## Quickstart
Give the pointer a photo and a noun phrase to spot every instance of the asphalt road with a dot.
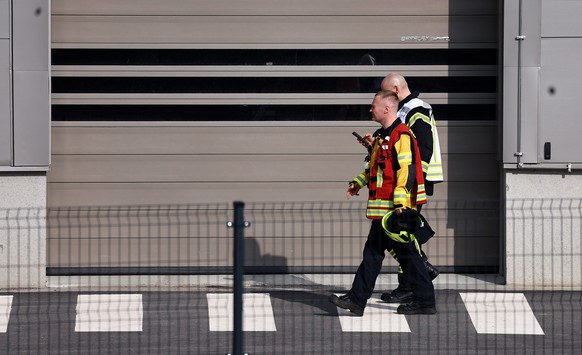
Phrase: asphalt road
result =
(286, 322)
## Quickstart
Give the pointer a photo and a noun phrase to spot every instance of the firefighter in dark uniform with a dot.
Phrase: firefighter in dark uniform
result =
(395, 182)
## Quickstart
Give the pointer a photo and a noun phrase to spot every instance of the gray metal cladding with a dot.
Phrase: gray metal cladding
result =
(181, 102)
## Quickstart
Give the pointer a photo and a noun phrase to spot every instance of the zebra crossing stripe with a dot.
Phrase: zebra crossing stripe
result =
(501, 313)
(490, 313)
(109, 313)
(5, 308)
(257, 312)
(378, 317)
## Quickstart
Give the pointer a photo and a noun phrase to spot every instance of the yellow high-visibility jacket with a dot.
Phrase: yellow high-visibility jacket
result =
(415, 112)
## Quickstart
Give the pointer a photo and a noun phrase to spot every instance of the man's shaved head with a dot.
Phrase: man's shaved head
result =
(396, 83)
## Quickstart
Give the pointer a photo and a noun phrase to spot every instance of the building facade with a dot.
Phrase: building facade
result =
(182, 102)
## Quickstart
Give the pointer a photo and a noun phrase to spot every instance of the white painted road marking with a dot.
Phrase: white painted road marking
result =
(501, 313)
(490, 313)
(257, 312)
(5, 308)
(109, 313)
(378, 317)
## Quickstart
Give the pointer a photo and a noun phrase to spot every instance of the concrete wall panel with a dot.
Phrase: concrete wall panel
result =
(31, 118)
(543, 224)
(559, 92)
(30, 36)
(561, 18)
(5, 104)
(4, 19)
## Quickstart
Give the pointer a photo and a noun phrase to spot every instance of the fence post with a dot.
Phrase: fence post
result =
(238, 268)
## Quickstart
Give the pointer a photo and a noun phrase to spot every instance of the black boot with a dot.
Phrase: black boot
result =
(345, 302)
(399, 295)
(415, 308)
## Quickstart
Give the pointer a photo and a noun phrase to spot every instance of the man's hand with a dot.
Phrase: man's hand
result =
(399, 211)
(353, 190)
(367, 140)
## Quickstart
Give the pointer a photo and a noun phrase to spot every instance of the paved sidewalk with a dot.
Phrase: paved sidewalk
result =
(487, 282)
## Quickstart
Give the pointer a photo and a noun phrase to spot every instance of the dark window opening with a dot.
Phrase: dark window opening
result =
(449, 84)
(264, 85)
(434, 56)
(452, 112)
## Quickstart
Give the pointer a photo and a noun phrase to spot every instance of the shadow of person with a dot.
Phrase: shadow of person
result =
(303, 302)
(257, 263)
(267, 272)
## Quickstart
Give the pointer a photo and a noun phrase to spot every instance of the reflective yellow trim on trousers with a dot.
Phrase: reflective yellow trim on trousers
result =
(417, 246)
(393, 253)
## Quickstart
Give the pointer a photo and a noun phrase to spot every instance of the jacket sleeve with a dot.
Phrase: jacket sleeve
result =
(362, 179)
(405, 173)
(423, 132)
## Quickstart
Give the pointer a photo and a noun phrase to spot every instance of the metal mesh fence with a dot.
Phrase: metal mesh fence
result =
(159, 279)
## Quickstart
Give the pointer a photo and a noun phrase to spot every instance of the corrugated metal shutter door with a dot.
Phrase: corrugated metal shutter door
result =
(168, 104)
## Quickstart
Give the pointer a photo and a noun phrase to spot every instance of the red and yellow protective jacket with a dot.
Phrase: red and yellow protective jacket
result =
(394, 172)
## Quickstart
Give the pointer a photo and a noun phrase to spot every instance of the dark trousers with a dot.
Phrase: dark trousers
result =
(371, 265)
(412, 264)
(373, 256)
(403, 281)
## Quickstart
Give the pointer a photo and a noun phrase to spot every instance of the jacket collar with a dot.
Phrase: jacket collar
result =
(413, 95)
(383, 133)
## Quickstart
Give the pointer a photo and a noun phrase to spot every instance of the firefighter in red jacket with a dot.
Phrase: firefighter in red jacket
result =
(395, 182)
(418, 116)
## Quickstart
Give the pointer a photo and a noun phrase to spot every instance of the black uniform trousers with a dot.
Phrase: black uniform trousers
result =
(373, 256)
(403, 279)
